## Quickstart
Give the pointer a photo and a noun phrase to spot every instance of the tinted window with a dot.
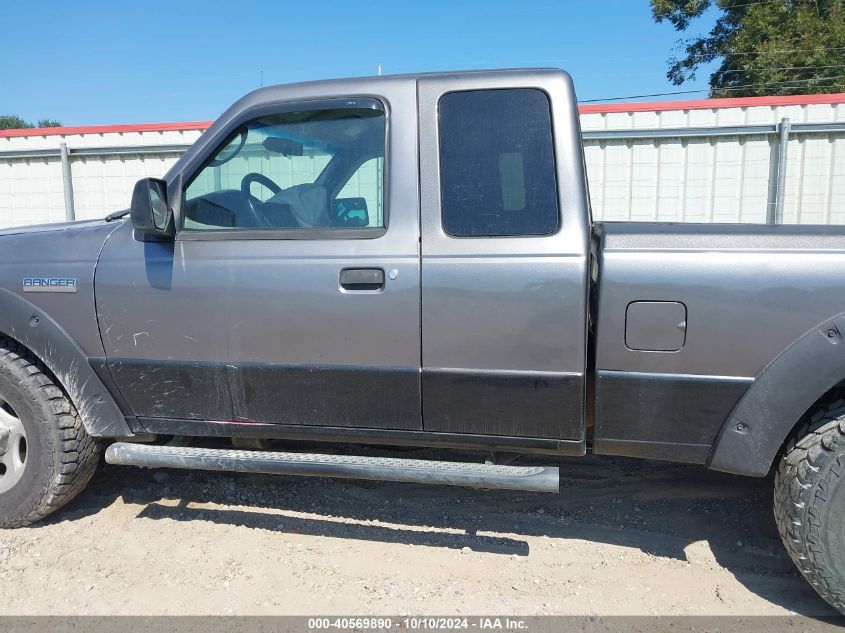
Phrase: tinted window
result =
(315, 169)
(497, 169)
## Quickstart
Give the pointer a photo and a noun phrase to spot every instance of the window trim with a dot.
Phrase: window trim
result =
(198, 235)
(558, 227)
(270, 109)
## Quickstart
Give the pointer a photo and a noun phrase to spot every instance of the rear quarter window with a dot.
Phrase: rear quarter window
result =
(497, 167)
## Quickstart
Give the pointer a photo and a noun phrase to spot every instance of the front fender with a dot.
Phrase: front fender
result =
(44, 337)
(782, 392)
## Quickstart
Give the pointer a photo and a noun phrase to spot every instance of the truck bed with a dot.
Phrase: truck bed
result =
(745, 292)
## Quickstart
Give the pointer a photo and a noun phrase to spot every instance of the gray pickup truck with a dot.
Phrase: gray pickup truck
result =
(411, 261)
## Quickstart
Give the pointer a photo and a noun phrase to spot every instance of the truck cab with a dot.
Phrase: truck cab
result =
(396, 255)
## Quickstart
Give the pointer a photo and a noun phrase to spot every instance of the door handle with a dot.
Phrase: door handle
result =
(357, 279)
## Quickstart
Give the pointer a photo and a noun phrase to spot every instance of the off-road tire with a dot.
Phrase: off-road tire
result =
(810, 502)
(60, 456)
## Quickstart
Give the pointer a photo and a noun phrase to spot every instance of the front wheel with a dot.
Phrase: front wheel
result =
(810, 503)
(46, 457)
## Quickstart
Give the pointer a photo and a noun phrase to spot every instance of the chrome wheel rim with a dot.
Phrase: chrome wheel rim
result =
(13, 447)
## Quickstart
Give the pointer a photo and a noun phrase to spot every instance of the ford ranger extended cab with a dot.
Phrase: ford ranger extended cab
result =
(411, 261)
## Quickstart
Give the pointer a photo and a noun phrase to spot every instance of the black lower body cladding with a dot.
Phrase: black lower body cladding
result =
(518, 404)
(662, 416)
(324, 395)
(509, 404)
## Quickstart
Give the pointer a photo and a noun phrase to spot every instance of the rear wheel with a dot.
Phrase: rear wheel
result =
(810, 503)
(46, 457)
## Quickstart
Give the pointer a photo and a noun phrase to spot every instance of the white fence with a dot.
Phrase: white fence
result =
(719, 160)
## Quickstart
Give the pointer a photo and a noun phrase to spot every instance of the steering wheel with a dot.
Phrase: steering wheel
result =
(252, 201)
(261, 179)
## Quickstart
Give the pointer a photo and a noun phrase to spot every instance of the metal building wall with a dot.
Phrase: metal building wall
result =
(717, 178)
(31, 182)
(695, 161)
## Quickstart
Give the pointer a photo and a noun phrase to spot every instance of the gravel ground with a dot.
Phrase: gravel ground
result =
(622, 537)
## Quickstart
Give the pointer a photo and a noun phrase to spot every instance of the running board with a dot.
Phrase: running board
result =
(528, 478)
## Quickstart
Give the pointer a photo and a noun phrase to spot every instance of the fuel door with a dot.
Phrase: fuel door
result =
(656, 326)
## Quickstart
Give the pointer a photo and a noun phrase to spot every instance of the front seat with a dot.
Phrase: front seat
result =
(308, 203)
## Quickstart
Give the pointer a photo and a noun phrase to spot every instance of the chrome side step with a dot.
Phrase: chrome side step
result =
(529, 478)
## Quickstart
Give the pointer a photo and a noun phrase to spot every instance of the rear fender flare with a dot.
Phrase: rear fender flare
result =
(781, 393)
(53, 346)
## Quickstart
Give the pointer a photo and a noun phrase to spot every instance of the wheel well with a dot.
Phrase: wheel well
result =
(37, 360)
(776, 403)
(66, 364)
(837, 392)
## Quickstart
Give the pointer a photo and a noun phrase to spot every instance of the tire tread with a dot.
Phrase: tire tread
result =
(77, 453)
(812, 463)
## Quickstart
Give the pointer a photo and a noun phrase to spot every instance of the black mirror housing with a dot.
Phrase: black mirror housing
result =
(150, 211)
(283, 146)
(350, 212)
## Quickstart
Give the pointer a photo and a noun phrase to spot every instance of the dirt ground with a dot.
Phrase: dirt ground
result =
(622, 537)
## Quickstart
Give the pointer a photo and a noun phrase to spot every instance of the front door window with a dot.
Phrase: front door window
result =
(311, 169)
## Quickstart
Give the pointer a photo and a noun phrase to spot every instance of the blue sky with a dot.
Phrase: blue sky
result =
(107, 61)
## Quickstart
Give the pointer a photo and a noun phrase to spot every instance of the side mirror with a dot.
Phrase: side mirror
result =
(350, 212)
(150, 212)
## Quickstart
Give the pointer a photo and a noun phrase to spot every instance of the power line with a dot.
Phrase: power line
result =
(751, 3)
(731, 88)
(792, 81)
(563, 60)
(773, 51)
(653, 94)
(773, 68)
(684, 92)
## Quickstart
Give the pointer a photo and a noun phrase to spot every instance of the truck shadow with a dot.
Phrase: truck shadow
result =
(679, 512)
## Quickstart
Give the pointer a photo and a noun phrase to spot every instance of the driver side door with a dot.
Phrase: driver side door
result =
(270, 308)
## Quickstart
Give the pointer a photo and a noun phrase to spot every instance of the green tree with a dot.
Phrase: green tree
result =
(763, 47)
(13, 122)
